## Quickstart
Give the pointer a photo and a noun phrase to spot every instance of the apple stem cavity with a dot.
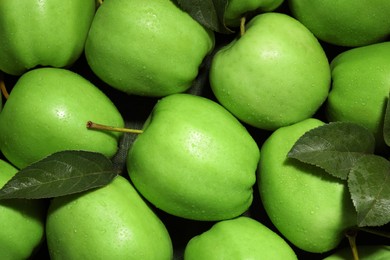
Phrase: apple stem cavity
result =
(242, 25)
(351, 235)
(92, 125)
(3, 88)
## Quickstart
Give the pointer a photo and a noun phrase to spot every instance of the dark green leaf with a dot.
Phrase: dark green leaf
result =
(369, 185)
(334, 147)
(60, 174)
(386, 127)
(209, 13)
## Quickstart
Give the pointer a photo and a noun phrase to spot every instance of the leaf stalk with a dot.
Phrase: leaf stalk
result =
(92, 125)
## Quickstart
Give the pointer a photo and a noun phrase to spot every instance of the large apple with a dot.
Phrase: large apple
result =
(42, 33)
(346, 23)
(361, 87)
(194, 159)
(149, 48)
(22, 221)
(238, 238)
(112, 222)
(47, 111)
(309, 207)
(275, 74)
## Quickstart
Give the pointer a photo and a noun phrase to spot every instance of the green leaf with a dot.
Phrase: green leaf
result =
(60, 174)
(209, 13)
(386, 125)
(369, 185)
(334, 147)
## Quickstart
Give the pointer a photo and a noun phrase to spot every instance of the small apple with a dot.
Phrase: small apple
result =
(365, 252)
(360, 87)
(274, 75)
(194, 159)
(148, 48)
(345, 23)
(47, 111)
(236, 9)
(22, 221)
(112, 222)
(42, 33)
(309, 207)
(238, 238)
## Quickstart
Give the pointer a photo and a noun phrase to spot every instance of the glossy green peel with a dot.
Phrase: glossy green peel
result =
(309, 207)
(194, 159)
(274, 75)
(148, 48)
(22, 222)
(238, 238)
(346, 23)
(112, 222)
(47, 111)
(42, 33)
(361, 87)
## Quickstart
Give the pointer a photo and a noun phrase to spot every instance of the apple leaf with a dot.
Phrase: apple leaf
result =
(209, 13)
(60, 174)
(369, 185)
(386, 124)
(334, 147)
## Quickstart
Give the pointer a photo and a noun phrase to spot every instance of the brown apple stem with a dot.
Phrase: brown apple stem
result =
(3, 88)
(242, 25)
(351, 235)
(92, 125)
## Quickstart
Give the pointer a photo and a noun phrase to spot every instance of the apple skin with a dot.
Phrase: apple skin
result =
(274, 75)
(147, 48)
(360, 87)
(366, 252)
(236, 9)
(309, 207)
(238, 238)
(47, 111)
(348, 23)
(42, 33)
(112, 222)
(194, 159)
(22, 222)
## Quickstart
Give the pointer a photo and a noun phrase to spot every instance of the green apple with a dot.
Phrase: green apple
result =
(238, 238)
(361, 87)
(345, 23)
(47, 111)
(236, 9)
(148, 48)
(309, 207)
(365, 252)
(194, 159)
(42, 33)
(274, 75)
(22, 222)
(112, 222)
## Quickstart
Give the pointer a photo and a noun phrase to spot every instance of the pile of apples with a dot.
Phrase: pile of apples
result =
(197, 122)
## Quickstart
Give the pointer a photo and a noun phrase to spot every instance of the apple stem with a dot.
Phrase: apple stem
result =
(351, 235)
(3, 88)
(242, 25)
(92, 125)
